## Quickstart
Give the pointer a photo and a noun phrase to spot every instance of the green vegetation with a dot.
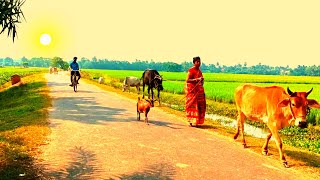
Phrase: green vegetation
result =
(6, 73)
(23, 126)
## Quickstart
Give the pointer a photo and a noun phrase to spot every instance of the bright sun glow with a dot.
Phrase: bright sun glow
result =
(45, 39)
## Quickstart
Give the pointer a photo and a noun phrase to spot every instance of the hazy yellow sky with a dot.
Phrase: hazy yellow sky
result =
(272, 32)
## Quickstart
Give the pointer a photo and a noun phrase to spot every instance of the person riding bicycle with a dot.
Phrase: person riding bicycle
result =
(74, 66)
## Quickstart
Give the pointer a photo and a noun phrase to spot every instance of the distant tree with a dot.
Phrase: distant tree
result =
(23, 59)
(10, 16)
(171, 67)
(57, 62)
(8, 61)
(25, 64)
(65, 65)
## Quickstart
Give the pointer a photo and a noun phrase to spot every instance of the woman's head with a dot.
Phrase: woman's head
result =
(197, 61)
(75, 59)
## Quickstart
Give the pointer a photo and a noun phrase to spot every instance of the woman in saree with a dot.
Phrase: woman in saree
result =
(195, 96)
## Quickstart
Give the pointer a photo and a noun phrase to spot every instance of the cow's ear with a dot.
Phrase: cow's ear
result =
(313, 103)
(284, 103)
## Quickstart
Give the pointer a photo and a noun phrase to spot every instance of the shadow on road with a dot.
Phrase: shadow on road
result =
(80, 167)
(156, 171)
(301, 156)
(87, 110)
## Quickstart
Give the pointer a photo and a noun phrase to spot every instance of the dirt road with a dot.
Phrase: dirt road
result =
(95, 135)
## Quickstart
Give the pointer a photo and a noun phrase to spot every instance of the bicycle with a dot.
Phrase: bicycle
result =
(74, 81)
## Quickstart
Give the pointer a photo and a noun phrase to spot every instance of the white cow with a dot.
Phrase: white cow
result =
(101, 80)
(131, 81)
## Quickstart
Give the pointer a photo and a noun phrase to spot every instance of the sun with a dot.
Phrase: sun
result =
(45, 39)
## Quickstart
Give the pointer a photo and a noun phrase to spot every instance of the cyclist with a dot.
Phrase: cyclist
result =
(74, 66)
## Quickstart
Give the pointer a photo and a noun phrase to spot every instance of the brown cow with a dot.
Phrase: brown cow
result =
(273, 106)
(15, 79)
(55, 70)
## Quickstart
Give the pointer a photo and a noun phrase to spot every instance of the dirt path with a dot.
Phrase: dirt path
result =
(95, 135)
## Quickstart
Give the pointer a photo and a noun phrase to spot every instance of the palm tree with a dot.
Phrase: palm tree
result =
(10, 16)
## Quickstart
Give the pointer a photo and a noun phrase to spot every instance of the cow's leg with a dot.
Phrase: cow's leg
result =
(143, 91)
(159, 96)
(138, 114)
(242, 133)
(240, 124)
(146, 120)
(265, 146)
(149, 92)
(276, 136)
(138, 89)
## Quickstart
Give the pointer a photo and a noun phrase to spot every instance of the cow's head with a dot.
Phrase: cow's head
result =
(151, 102)
(299, 106)
(124, 87)
(158, 82)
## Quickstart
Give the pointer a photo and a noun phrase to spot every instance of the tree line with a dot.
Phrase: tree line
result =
(95, 63)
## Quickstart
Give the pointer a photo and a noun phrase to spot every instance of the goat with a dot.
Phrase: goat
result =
(144, 106)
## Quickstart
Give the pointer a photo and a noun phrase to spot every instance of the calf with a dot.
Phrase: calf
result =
(144, 106)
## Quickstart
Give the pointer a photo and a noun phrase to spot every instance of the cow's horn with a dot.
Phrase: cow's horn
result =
(309, 91)
(289, 91)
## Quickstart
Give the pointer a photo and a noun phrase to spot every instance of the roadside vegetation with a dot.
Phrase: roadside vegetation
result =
(302, 145)
(6, 73)
(23, 123)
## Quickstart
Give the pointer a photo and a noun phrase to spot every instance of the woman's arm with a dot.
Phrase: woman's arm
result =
(190, 79)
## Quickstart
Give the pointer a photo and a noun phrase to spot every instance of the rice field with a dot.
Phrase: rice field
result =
(6, 73)
(220, 87)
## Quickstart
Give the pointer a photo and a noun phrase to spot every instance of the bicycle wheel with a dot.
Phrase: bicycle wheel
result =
(75, 84)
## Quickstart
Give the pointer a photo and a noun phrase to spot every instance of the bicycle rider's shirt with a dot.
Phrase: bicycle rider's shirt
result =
(74, 66)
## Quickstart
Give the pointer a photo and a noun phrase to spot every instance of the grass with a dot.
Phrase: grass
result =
(300, 159)
(23, 126)
(6, 73)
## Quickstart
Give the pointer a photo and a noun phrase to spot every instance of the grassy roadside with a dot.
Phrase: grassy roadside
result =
(301, 160)
(23, 126)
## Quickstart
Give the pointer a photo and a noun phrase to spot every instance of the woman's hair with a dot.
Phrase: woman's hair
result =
(196, 59)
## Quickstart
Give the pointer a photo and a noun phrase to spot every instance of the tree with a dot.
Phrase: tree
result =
(57, 62)
(8, 61)
(10, 16)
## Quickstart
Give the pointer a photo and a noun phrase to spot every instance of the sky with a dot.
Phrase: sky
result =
(273, 32)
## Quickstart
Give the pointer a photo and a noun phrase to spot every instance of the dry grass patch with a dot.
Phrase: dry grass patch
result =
(23, 126)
